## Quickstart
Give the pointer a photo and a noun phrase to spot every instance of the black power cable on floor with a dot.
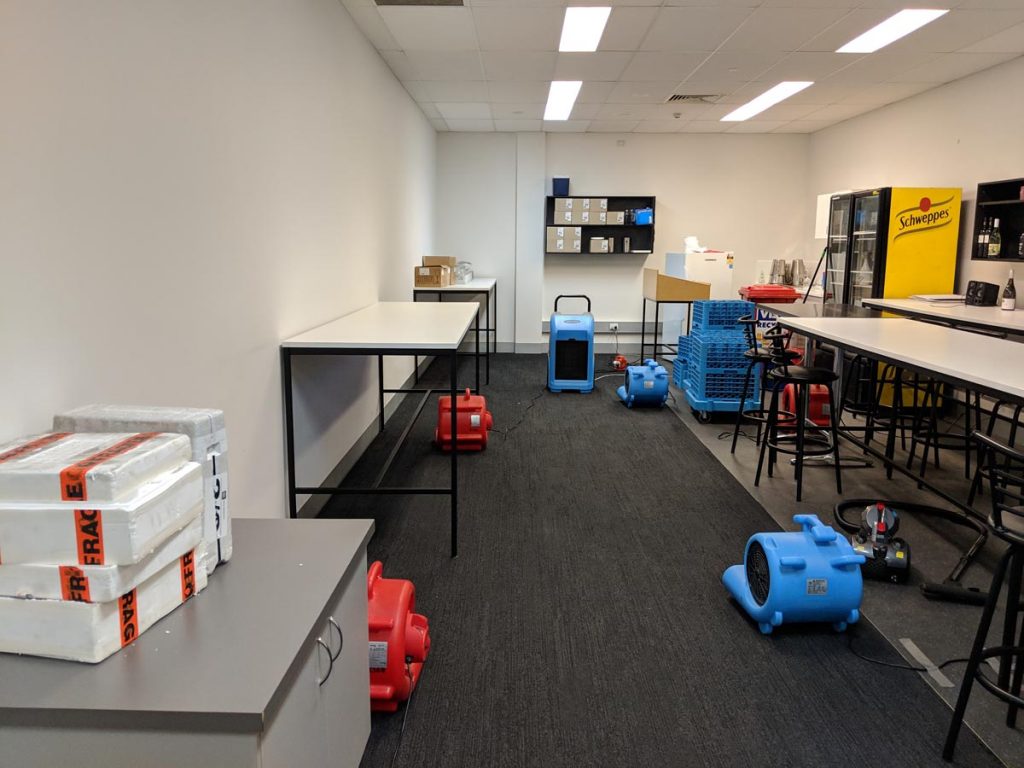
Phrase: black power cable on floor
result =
(532, 402)
(894, 665)
(405, 716)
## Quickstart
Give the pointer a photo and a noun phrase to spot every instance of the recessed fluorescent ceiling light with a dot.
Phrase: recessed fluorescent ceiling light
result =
(561, 97)
(892, 29)
(582, 28)
(769, 98)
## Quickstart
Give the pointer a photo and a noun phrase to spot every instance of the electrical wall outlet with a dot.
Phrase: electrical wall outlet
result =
(613, 327)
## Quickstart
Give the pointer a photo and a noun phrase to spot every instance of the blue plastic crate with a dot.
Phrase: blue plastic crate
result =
(722, 349)
(713, 405)
(722, 384)
(719, 314)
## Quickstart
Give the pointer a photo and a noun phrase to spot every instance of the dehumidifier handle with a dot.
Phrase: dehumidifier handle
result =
(561, 296)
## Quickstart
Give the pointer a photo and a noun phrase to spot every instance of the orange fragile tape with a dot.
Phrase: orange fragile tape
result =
(89, 536)
(129, 610)
(188, 575)
(32, 446)
(72, 479)
(74, 584)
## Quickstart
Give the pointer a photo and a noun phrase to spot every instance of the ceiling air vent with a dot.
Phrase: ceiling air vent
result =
(419, 2)
(693, 98)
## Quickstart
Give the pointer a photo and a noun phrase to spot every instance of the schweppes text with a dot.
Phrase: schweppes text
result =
(927, 215)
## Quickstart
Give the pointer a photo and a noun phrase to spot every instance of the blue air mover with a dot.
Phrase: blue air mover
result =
(812, 575)
(645, 384)
(571, 350)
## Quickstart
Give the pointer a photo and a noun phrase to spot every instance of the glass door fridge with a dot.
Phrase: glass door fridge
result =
(867, 245)
(838, 241)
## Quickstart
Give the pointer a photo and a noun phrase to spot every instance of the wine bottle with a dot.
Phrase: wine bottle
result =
(986, 228)
(979, 245)
(1020, 246)
(1009, 295)
(995, 241)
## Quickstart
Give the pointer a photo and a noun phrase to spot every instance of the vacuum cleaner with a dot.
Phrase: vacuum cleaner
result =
(571, 349)
(810, 575)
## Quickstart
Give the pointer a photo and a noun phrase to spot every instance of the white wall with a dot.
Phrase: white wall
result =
(740, 193)
(185, 184)
(957, 135)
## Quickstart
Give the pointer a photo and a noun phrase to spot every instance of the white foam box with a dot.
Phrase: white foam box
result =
(98, 583)
(86, 468)
(204, 427)
(93, 631)
(106, 533)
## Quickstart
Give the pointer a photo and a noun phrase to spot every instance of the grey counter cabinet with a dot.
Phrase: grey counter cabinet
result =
(266, 668)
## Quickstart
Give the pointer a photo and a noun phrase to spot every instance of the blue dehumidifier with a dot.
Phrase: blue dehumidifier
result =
(571, 350)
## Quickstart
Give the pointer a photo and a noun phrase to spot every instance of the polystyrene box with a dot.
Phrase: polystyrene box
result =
(92, 631)
(107, 533)
(86, 467)
(97, 583)
(204, 427)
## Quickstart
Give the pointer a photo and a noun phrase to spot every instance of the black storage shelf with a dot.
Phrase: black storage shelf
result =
(1002, 200)
(641, 236)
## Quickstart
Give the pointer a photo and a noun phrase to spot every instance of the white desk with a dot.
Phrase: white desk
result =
(995, 366)
(386, 328)
(478, 286)
(984, 318)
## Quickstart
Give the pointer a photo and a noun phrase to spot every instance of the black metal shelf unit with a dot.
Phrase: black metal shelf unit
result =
(641, 236)
(1003, 200)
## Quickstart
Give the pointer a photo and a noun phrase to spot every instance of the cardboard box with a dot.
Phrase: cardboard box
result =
(599, 203)
(565, 204)
(564, 232)
(575, 245)
(599, 245)
(440, 261)
(581, 217)
(584, 203)
(616, 217)
(561, 239)
(562, 218)
(598, 217)
(661, 287)
(432, 277)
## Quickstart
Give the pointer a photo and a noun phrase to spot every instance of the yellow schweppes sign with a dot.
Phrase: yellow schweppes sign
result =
(927, 214)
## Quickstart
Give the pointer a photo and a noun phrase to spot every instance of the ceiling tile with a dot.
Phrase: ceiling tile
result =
(467, 110)
(423, 28)
(447, 90)
(372, 25)
(1008, 41)
(804, 126)
(517, 111)
(519, 66)
(627, 92)
(662, 65)
(591, 66)
(626, 28)
(629, 112)
(399, 64)
(566, 126)
(736, 67)
(838, 112)
(786, 111)
(519, 93)
(855, 23)
(518, 28)
(430, 109)
(593, 93)
(612, 126)
(693, 29)
(951, 66)
(807, 65)
(880, 67)
(439, 124)
(827, 92)
(704, 126)
(444, 65)
(659, 126)
(470, 125)
(756, 126)
(518, 125)
(585, 111)
(958, 29)
(885, 93)
(781, 29)
(416, 89)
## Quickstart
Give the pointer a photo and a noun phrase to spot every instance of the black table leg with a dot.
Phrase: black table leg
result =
(476, 354)
(657, 330)
(487, 339)
(289, 428)
(643, 330)
(452, 374)
(380, 391)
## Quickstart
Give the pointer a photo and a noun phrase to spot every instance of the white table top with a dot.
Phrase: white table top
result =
(992, 318)
(393, 325)
(983, 362)
(476, 285)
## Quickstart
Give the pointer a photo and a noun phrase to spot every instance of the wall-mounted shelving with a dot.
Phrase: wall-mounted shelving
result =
(641, 236)
(1002, 200)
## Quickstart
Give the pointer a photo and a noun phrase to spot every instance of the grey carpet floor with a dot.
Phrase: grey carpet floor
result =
(584, 622)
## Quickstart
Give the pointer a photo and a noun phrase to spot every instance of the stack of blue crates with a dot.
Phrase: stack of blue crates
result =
(715, 365)
(679, 364)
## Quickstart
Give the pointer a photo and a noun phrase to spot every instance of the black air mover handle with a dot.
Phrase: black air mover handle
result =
(561, 296)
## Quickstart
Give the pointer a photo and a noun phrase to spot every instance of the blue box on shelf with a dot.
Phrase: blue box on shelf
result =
(560, 186)
(643, 216)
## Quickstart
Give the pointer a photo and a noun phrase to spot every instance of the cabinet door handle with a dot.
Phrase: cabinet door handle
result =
(330, 669)
(341, 638)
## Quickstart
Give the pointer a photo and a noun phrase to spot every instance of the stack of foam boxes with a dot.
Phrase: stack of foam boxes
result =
(100, 537)
(206, 431)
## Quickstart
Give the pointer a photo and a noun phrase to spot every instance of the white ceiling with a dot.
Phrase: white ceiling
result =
(486, 66)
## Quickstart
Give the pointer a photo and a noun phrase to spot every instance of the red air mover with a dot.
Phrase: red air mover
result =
(399, 639)
(817, 406)
(474, 422)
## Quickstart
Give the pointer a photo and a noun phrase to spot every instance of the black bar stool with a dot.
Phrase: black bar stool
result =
(979, 472)
(802, 378)
(1004, 467)
(756, 356)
